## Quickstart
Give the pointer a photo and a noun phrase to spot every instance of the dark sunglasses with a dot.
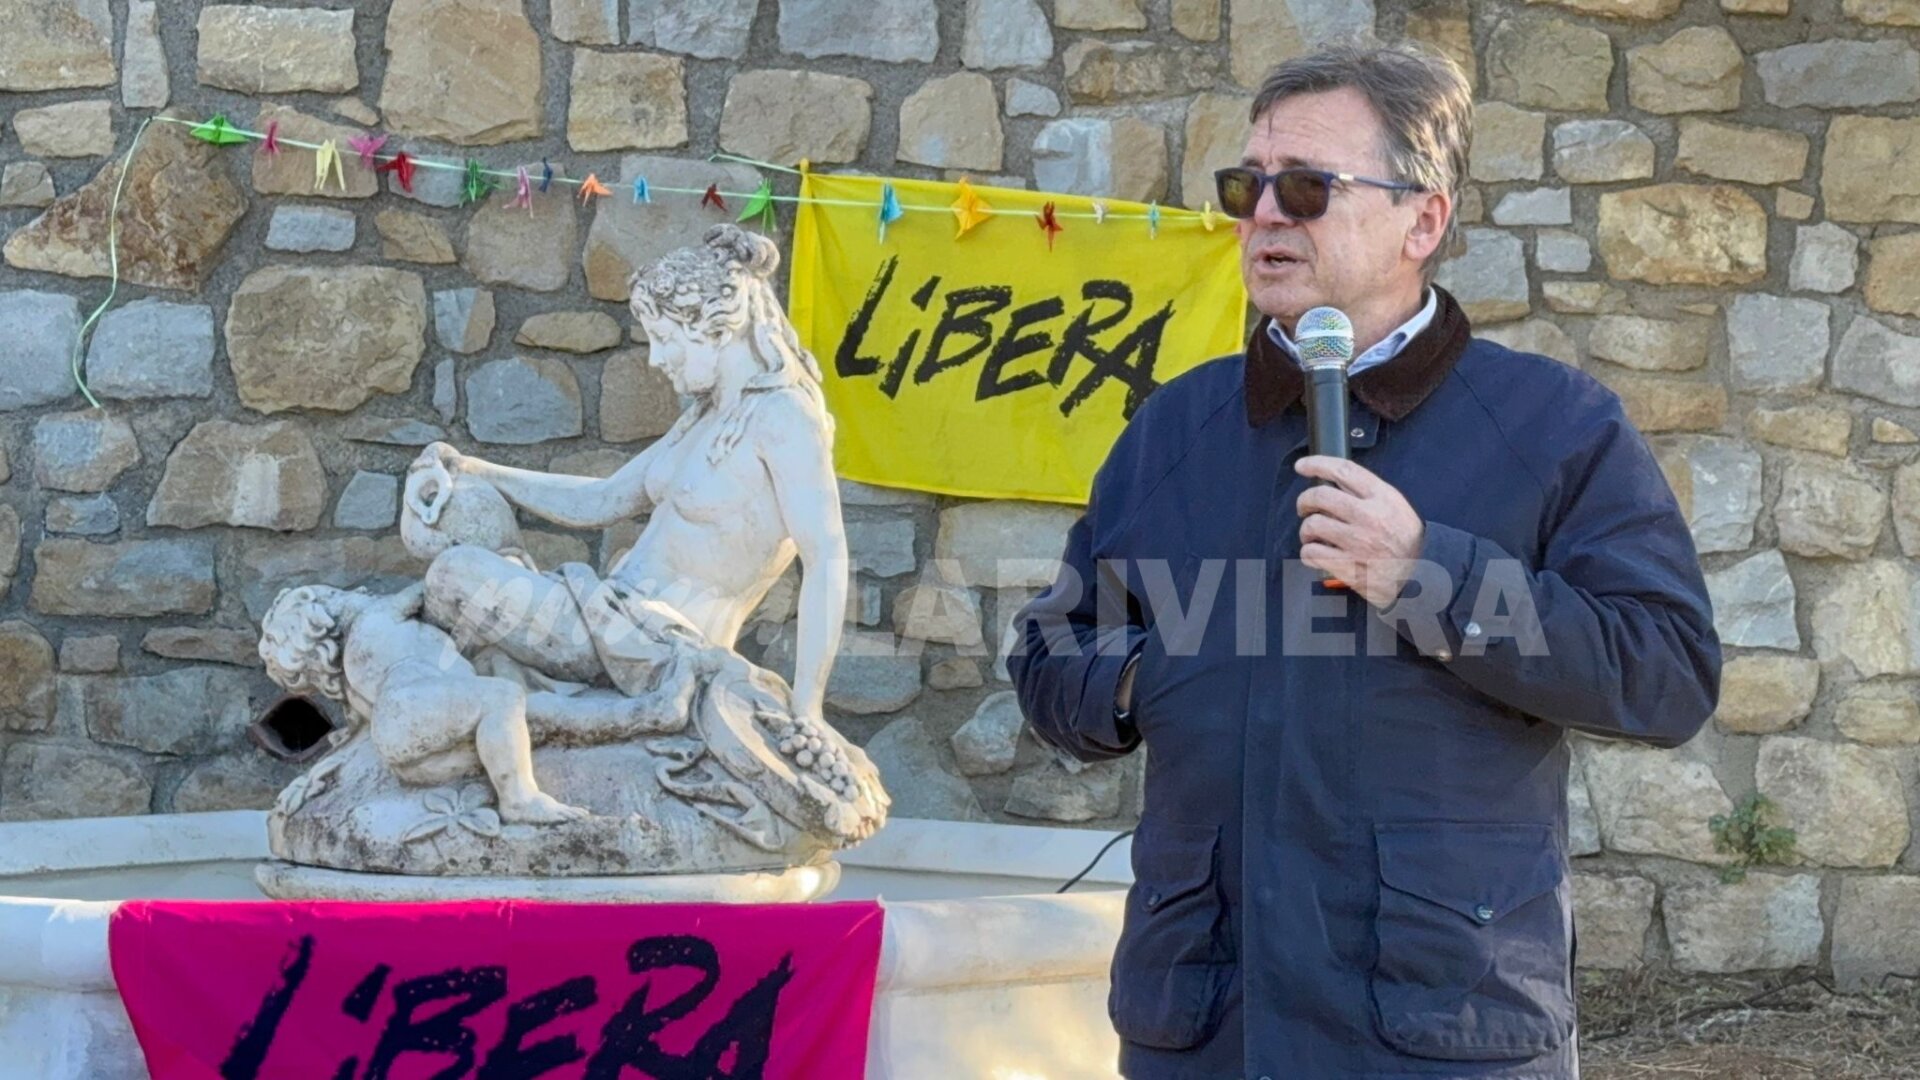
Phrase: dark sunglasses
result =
(1302, 194)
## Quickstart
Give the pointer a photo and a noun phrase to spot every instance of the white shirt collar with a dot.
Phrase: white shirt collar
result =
(1387, 348)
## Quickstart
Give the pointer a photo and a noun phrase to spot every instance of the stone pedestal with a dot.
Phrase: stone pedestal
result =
(287, 881)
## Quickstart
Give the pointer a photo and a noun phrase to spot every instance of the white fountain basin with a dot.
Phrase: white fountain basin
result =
(984, 971)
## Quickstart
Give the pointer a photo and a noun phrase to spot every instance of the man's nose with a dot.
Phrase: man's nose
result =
(1267, 212)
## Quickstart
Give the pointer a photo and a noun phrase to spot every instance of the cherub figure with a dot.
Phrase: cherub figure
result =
(434, 718)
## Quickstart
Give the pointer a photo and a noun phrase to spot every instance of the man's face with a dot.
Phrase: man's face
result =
(1354, 255)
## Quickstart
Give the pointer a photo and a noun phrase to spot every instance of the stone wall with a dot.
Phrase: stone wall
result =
(1705, 205)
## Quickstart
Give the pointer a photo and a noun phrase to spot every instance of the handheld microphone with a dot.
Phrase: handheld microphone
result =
(1324, 337)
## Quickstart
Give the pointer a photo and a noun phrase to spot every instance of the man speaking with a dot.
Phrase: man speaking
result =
(1355, 677)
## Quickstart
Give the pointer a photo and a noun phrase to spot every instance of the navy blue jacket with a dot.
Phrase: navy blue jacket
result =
(1352, 860)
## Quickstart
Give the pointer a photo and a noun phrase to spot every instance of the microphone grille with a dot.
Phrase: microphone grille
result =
(1324, 337)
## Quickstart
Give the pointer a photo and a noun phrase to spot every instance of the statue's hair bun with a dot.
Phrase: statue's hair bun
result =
(753, 253)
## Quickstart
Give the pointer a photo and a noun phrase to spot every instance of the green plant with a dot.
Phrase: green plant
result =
(1750, 835)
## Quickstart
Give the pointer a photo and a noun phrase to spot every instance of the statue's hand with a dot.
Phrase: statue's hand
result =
(440, 455)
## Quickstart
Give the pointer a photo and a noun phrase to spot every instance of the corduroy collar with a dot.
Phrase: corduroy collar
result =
(1392, 389)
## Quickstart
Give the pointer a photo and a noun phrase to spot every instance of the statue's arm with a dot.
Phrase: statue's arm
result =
(576, 502)
(798, 451)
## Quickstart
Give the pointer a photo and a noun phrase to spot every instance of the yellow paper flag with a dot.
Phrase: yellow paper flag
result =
(325, 159)
(988, 367)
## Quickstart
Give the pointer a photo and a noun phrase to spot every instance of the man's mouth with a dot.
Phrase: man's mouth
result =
(1276, 259)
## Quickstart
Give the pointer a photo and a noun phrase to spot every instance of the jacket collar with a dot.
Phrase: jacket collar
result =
(1392, 389)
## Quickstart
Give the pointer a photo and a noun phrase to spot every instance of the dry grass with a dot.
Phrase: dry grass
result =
(1651, 1025)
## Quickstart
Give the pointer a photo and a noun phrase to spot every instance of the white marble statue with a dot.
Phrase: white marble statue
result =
(509, 721)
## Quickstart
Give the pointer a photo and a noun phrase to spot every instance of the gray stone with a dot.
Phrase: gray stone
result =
(1839, 74)
(264, 476)
(1717, 483)
(1099, 15)
(370, 501)
(1683, 234)
(444, 188)
(291, 170)
(390, 431)
(182, 712)
(935, 612)
(1698, 69)
(1865, 617)
(1031, 99)
(1601, 152)
(1863, 167)
(637, 400)
(82, 451)
(524, 400)
(1540, 206)
(39, 328)
(1766, 694)
(1906, 491)
(1651, 344)
(1549, 64)
(1216, 130)
(1777, 343)
(525, 249)
(1845, 803)
(1753, 603)
(955, 673)
(143, 83)
(874, 673)
(1002, 544)
(379, 564)
(920, 785)
(1829, 509)
(431, 89)
(1751, 155)
(260, 50)
(1876, 931)
(1490, 279)
(1265, 32)
(1653, 802)
(1562, 252)
(1614, 914)
(855, 493)
(239, 648)
(1108, 72)
(892, 30)
(952, 122)
(1765, 922)
(1053, 793)
(1583, 828)
(463, 319)
(175, 211)
(881, 548)
(788, 116)
(988, 742)
(626, 101)
(9, 548)
(1879, 362)
(625, 236)
(1537, 336)
(310, 229)
(570, 331)
(406, 236)
(586, 22)
(56, 44)
(1826, 258)
(1120, 159)
(446, 389)
(152, 349)
(70, 129)
(26, 183)
(311, 337)
(709, 29)
(90, 655)
(246, 780)
(132, 579)
(1879, 715)
(1005, 34)
(41, 781)
(26, 678)
(91, 515)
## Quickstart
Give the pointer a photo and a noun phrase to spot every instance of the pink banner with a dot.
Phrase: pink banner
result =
(498, 990)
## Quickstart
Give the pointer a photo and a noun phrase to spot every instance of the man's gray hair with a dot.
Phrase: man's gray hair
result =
(1424, 104)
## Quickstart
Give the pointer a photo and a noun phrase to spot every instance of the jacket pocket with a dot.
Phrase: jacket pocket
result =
(1474, 960)
(1172, 965)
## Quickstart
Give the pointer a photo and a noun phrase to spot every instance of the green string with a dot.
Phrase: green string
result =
(113, 263)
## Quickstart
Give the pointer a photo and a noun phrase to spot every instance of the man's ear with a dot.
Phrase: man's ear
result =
(1433, 210)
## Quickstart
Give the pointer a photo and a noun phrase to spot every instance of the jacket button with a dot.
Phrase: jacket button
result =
(1153, 900)
(1483, 913)
(1473, 629)
(1443, 653)
(1358, 433)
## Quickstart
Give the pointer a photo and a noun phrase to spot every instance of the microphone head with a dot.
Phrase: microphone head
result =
(1324, 337)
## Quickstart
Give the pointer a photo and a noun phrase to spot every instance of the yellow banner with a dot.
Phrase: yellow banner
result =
(997, 364)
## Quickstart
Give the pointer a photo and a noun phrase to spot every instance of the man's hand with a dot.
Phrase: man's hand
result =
(1358, 528)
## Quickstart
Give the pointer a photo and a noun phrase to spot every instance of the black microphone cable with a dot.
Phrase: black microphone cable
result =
(1108, 846)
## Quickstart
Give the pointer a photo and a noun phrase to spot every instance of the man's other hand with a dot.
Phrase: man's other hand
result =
(1358, 528)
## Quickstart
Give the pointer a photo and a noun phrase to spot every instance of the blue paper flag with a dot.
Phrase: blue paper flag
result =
(546, 176)
(641, 193)
(1153, 221)
(890, 210)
